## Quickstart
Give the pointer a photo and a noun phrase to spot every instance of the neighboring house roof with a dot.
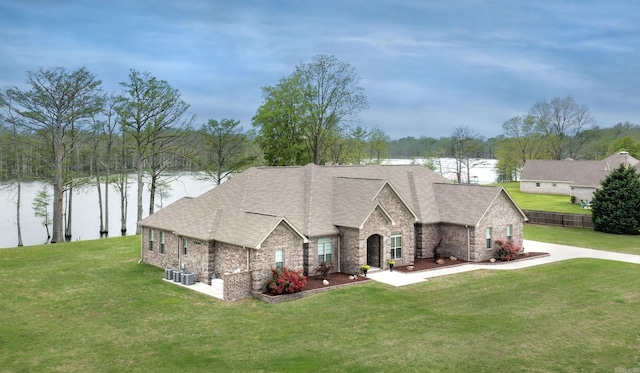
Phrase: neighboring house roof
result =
(576, 173)
(313, 201)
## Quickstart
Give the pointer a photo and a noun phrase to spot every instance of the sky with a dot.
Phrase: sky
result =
(425, 66)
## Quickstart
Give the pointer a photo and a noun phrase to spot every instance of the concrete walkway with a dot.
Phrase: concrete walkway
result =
(556, 253)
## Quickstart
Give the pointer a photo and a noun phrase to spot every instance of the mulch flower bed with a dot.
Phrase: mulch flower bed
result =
(337, 278)
(421, 264)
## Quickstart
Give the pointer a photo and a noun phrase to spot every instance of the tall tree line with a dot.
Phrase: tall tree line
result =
(65, 130)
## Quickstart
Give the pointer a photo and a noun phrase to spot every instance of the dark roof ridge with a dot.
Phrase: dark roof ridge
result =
(260, 213)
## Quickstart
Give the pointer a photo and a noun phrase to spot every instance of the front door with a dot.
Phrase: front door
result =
(374, 244)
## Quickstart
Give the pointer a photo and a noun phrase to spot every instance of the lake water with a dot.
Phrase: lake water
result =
(86, 214)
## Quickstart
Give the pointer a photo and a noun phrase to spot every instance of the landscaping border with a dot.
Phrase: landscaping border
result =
(273, 299)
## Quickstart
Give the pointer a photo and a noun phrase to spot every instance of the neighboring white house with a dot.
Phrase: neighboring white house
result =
(569, 177)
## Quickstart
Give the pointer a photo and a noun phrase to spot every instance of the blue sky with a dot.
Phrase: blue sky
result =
(426, 66)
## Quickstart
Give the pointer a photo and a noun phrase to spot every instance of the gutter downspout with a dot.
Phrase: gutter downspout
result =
(339, 245)
(468, 243)
(179, 243)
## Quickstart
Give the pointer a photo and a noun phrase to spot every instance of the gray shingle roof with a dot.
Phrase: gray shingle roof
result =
(314, 200)
(579, 173)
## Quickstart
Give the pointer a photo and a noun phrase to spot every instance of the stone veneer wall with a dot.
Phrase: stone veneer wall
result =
(263, 259)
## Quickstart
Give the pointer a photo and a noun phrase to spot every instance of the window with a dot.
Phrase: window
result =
(161, 242)
(150, 239)
(324, 250)
(509, 232)
(554, 185)
(184, 246)
(488, 234)
(537, 185)
(279, 259)
(396, 246)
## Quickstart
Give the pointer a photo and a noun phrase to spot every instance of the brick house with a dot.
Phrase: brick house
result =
(297, 217)
(569, 177)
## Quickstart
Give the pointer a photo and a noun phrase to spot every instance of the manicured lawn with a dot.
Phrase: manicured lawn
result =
(542, 202)
(89, 306)
(583, 238)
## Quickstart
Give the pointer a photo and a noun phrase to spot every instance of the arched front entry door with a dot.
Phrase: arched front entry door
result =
(374, 247)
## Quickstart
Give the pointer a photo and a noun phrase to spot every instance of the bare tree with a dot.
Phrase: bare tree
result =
(153, 114)
(227, 149)
(13, 122)
(332, 95)
(55, 108)
(562, 120)
(465, 144)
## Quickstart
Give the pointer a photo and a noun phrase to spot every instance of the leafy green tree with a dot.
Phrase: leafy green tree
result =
(616, 206)
(378, 145)
(628, 144)
(309, 109)
(279, 123)
(227, 147)
(57, 107)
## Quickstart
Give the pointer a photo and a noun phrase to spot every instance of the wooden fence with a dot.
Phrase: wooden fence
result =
(559, 219)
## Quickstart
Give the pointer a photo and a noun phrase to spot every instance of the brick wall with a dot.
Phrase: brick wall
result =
(351, 256)
(313, 254)
(500, 215)
(454, 241)
(263, 259)
(354, 241)
(427, 236)
(237, 285)
(196, 260)
(404, 225)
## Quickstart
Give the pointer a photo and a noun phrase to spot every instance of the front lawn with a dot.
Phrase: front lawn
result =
(89, 306)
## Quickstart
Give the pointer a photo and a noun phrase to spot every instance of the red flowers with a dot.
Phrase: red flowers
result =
(286, 281)
(507, 250)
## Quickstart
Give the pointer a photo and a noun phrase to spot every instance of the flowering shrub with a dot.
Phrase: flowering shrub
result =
(507, 250)
(324, 268)
(286, 281)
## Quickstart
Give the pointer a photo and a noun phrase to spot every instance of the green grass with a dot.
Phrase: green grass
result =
(582, 237)
(89, 306)
(542, 202)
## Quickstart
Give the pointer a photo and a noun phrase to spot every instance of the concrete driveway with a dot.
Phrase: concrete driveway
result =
(556, 253)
